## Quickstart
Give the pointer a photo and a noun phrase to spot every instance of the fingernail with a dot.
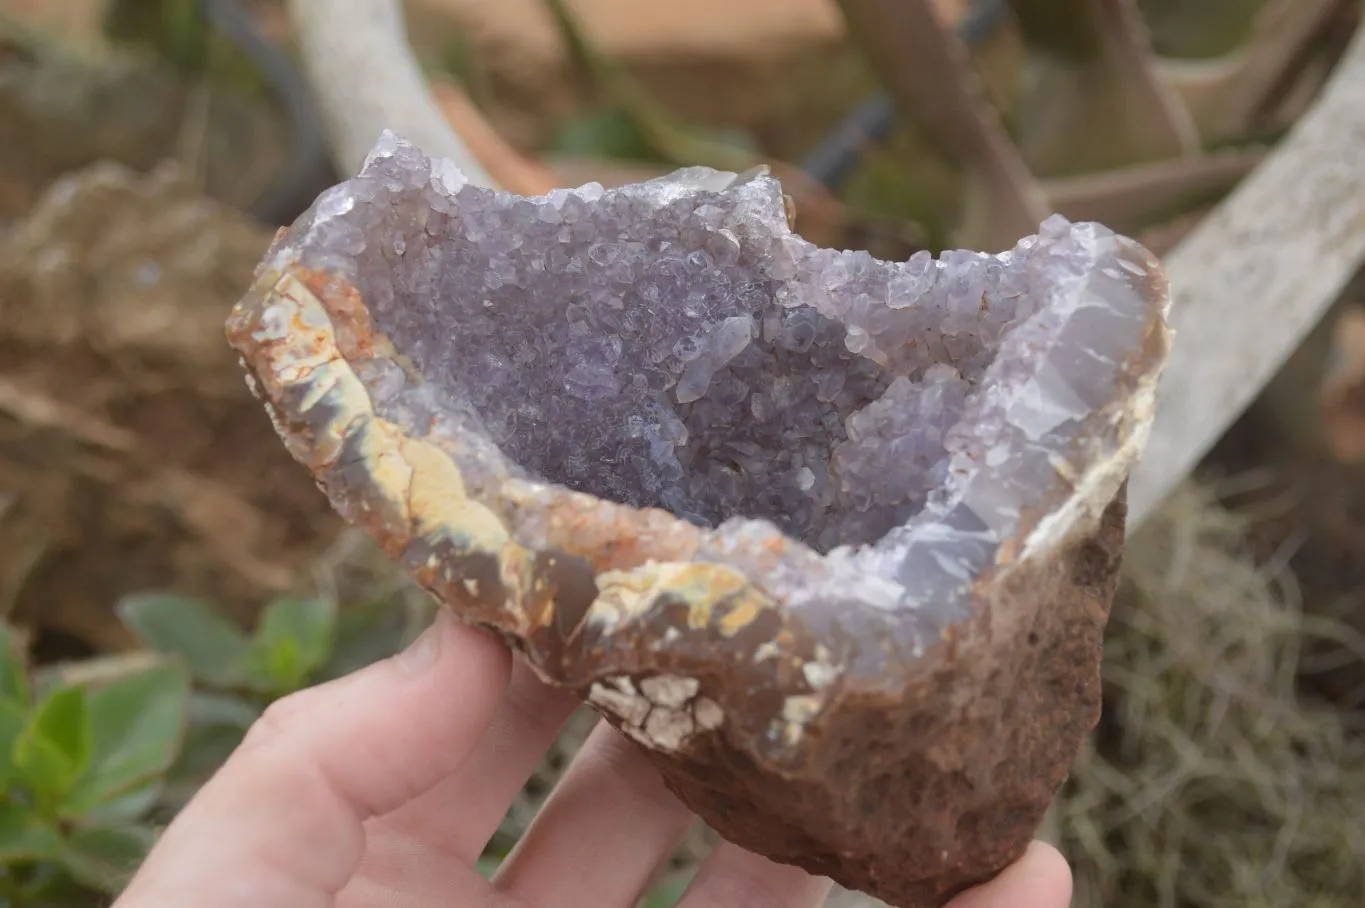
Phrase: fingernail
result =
(421, 653)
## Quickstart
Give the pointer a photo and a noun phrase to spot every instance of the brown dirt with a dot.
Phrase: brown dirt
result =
(131, 453)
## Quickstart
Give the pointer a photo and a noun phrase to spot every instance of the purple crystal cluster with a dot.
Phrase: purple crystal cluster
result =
(673, 344)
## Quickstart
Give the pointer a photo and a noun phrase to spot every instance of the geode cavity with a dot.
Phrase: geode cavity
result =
(833, 538)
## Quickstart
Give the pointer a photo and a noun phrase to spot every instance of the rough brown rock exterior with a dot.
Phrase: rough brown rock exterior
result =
(832, 538)
(915, 797)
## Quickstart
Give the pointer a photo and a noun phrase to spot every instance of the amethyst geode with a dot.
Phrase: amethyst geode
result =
(833, 538)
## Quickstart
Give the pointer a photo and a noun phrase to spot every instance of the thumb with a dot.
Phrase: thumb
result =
(1039, 879)
(282, 823)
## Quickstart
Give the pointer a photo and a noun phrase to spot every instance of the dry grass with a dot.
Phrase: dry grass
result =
(1213, 781)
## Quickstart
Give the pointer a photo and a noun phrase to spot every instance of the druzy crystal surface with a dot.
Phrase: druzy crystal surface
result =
(780, 511)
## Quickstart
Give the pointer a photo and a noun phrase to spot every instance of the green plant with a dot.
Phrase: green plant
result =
(292, 640)
(297, 642)
(667, 892)
(83, 756)
(180, 33)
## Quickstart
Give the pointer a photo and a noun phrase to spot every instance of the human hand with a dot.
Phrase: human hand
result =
(382, 788)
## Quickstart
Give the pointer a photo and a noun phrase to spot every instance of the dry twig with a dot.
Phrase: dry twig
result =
(1099, 99)
(1142, 193)
(1225, 96)
(506, 166)
(927, 70)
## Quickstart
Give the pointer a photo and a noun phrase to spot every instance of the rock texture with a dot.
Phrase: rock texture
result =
(833, 538)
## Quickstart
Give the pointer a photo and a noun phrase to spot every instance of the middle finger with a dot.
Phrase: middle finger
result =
(599, 838)
(455, 820)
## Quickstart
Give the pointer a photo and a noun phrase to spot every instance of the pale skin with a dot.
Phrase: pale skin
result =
(382, 788)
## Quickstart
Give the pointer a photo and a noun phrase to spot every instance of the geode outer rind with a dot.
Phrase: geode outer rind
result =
(791, 698)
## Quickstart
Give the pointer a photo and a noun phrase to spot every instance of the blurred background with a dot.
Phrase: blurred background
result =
(166, 569)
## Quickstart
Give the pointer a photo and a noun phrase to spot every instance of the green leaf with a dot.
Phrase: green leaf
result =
(128, 807)
(138, 725)
(668, 892)
(606, 132)
(13, 675)
(54, 748)
(45, 769)
(185, 626)
(229, 710)
(93, 671)
(49, 885)
(364, 635)
(106, 857)
(217, 725)
(293, 639)
(488, 865)
(24, 837)
(206, 750)
(13, 719)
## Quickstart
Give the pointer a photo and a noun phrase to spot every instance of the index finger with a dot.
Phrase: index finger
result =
(282, 823)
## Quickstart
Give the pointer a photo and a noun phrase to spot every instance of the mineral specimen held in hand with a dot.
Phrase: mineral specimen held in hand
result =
(833, 538)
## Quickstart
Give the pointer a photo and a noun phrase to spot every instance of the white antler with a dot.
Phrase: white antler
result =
(360, 64)
(1255, 276)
